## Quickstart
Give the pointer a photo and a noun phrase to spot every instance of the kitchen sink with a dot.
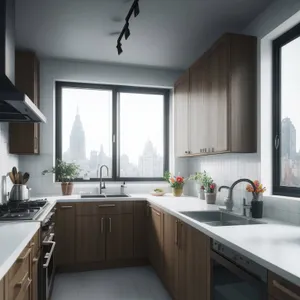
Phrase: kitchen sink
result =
(218, 218)
(105, 196)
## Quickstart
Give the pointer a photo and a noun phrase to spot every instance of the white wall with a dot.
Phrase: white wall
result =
(276, 19)
(7, 161)
(56, 70)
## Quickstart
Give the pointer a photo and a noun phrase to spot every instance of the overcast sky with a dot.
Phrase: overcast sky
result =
(290, 87)
(141, 120)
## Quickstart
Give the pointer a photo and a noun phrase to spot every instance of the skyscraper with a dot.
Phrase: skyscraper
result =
(288, 139)
(77, 149)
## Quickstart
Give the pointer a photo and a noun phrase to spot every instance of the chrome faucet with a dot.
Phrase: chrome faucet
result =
(99, 171)
(229, 199)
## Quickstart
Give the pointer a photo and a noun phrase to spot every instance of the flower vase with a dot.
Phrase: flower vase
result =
(257, 207)
(177, 192)
(210, 198)
(202, 194)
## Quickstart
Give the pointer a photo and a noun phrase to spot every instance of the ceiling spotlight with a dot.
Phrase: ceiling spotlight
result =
(119, 47)
(127, 32)
(136, 9)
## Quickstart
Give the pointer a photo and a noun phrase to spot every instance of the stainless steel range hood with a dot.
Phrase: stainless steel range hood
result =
(15, 106)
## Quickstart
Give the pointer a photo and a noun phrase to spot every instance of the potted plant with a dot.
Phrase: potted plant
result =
(176, 183)
(257, 201)
(199, 185)
(65, 173)
(210, 188)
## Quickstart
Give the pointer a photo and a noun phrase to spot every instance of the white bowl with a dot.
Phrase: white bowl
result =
(157, 193)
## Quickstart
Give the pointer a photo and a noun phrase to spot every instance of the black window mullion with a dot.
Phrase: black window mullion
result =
(115, 135)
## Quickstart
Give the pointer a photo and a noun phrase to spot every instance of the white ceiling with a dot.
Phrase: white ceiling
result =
(167, 33)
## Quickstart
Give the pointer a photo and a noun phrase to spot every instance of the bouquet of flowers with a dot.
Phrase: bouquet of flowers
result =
(259, 188)
(176, 182)
(208, 183)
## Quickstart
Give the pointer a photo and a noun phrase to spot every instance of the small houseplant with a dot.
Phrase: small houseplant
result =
(197, 177)
(65, 173)
(210, 188)
(257, 202)
(176, 183)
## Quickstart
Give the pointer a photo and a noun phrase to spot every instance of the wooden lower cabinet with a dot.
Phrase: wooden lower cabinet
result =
(119, 237)
(90, 239)
(170, 254)
(140, 229)
(35, 278)
(3, 288)
(155, 236)
(65, 234)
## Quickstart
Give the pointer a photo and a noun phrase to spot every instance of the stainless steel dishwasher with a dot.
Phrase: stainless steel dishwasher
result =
(234, 276)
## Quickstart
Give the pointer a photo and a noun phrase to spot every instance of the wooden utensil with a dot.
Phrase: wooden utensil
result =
(25, 177)
(15, 173)
(11, 176)
(20, 178)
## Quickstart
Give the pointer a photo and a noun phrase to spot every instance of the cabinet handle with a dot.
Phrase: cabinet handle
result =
(35, 260)
(102, 223)
(106, 205)
(32, 244)
(66, 206)
(176, 232)
(109, 219)
(22, 258)
(285, 290)
(20, 283)
(156, 212)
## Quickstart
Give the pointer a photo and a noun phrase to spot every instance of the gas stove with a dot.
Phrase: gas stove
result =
(22, 210)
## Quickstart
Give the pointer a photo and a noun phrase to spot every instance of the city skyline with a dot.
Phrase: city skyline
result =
(150, 162)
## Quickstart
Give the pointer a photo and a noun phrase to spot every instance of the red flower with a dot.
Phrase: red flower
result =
(179, 179)
(212, 186)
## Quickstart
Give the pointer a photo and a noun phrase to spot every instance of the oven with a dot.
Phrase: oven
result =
(234, 276)
(47, 261)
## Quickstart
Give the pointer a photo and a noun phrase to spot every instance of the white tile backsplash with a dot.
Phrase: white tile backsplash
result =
(7, 161)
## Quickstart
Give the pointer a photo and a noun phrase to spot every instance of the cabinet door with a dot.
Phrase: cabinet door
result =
(155, 240)
(198, 113)
(181, 115)
(24, 138)
(35, 278)
(90, 239)
(119, 236)
(170, 253)
(218, 107)
(65, 233)
(3, 289)
(192, 267)
(140, 229)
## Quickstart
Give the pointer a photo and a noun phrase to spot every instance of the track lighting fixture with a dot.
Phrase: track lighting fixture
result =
(135, 9)
(119, 47)
(127, 32)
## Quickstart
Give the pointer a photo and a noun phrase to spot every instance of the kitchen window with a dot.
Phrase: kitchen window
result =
(125, 128)
(286, 117)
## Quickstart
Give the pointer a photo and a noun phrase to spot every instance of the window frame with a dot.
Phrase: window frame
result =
(116, 89)
(278, 43)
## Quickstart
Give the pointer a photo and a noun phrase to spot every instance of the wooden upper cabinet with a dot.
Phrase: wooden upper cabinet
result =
(181, 115)
(221, 100)
(65, 233)
(25, 138)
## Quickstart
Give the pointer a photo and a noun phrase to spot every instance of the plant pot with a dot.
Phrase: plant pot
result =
(257, 208)
(202, 194)
(210, 198)
(67, 188)
(177, 192)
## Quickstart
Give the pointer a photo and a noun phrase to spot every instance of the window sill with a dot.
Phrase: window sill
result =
(279, 197)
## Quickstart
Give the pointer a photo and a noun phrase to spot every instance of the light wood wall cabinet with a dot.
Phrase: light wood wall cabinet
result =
(25, 138)
(65, 233)
(185, 260)
(281, 289)
(215, 100)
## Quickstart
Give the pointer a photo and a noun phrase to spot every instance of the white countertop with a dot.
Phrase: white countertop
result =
(274, 246)
(14, 237)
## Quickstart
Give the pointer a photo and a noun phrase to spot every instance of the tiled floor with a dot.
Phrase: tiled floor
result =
(118, 284)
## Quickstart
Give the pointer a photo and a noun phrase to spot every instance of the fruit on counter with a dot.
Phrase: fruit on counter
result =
(159, 190)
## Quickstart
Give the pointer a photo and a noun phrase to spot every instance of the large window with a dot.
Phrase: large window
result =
(125, 128)
(286, 114)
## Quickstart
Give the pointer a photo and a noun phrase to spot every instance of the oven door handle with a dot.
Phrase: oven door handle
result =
(235, 269)
(49, 255)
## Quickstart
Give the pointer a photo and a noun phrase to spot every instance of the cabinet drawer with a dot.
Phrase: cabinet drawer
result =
(35, 244)
(282, 289)
(103, 207)
(19, 276)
